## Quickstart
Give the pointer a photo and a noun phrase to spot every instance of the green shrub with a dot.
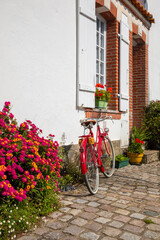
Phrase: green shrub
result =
(151, 124)
(72, 173)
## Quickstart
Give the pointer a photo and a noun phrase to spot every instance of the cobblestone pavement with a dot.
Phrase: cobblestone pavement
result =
(119, 210)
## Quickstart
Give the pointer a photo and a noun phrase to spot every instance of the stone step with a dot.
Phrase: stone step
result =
(151, 156)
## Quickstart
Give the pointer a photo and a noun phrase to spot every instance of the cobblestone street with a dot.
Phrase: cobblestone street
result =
(121, 209)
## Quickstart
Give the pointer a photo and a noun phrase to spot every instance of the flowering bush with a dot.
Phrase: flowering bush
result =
(29, 164)
(103, 94)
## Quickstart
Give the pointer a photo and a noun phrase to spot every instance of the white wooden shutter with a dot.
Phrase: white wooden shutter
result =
(124, 64)
(86, 53)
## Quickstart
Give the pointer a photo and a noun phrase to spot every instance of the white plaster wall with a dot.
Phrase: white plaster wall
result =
(154, 51)
(38, 64)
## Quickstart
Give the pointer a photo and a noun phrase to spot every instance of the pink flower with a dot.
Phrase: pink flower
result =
(7, 104)
(11, 115)
(4, 193)
(5, 110)
(15, 176)
(24, 179)
(31, 177)
(26, 173)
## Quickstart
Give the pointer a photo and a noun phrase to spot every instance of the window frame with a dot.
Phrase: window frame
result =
(101, 19)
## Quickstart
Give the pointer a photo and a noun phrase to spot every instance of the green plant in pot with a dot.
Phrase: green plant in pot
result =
(102, 95)
(121, 161)
(136, 150)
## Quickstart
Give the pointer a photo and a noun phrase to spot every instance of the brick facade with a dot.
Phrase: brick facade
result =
(138, 70)
(140, 82)
(112, 61)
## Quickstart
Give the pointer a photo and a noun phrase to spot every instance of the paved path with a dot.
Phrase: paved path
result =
(117, 211)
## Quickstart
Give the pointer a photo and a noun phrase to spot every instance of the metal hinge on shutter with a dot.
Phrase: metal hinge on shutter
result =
(125, 39)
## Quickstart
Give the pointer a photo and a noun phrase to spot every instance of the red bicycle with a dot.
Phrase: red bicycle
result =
(96, 155)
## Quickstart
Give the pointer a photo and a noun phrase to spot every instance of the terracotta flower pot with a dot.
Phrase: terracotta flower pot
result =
(135, 158)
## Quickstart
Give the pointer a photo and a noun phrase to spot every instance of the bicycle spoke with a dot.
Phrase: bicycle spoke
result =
(91, 177)
(107, 157)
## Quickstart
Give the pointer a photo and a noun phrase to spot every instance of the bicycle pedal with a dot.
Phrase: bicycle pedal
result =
(81, 149)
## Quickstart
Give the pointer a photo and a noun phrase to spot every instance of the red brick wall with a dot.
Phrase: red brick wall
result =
(112, 61)
(140, 82)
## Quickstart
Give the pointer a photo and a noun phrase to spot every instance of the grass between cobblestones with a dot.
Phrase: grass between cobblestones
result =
(148, 221)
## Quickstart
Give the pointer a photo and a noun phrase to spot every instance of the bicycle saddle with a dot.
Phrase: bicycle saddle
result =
(86, 123)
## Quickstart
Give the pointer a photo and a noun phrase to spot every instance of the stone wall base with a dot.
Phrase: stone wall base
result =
(151, 156)
(72, 154)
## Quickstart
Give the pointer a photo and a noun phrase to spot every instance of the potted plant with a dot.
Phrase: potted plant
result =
(121, 161)
(136, 150)
(102, 95)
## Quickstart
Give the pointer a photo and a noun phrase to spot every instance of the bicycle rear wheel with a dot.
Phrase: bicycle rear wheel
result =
(107, 157)
(92, 175)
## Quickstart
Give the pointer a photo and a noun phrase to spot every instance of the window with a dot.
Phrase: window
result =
(101, 51)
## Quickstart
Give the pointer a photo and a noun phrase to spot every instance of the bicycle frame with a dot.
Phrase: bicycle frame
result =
(99, 137)
(97, 147)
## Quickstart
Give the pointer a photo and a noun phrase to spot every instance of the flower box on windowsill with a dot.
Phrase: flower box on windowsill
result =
(101, 104)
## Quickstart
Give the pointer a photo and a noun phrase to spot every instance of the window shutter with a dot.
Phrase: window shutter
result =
(86, 53)
(124, 64)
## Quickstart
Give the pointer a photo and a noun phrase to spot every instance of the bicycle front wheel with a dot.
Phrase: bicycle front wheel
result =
(92, 175)
(107, 157)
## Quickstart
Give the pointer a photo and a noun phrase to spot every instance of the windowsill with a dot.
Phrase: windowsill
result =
(95, 112)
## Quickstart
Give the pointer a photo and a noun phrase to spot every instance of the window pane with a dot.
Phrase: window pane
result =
(102, 54)
(97, 79)
(97, 38)
(97, 66)
(102, 80)
(97, 24)
(97, 53)
(100, 51)
(102, 27)
(102, 68)
(102, 41)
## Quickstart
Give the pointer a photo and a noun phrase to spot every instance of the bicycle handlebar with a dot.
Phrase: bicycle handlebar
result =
(102, 119)
(97, 120)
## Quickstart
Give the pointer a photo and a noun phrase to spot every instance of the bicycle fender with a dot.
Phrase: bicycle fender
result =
(83, 156)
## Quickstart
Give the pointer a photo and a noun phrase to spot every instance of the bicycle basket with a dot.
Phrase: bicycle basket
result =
(91, 140)
(80, 141)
